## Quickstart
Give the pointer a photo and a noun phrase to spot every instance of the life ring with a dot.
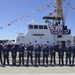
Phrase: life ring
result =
(68, 41)
(54, 26)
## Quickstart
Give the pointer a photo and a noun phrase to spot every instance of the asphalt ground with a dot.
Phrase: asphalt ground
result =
(32, 69)
(9, 69)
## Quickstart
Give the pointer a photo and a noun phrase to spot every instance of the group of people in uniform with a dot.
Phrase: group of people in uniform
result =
(38, 52)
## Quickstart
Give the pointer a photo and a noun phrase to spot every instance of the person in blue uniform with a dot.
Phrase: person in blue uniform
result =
(68, 54)
(21, 54)
(1, 53)
(73, 54)
(29, 52)
(61, 54)
(45, 53)
(14, 54)
(53, 52)
(37, 53)
(5, 55)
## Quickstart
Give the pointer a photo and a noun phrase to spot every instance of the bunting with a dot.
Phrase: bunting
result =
(27, 15)
(1, 27)
(55, 1)
(8, 24)
(38, 10)
(69, 4)
(56, 31)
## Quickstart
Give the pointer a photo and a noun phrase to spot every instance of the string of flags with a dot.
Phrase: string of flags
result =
(55, 1)
(27, 15)
(1, 27)
(38, 10)
(69, 4)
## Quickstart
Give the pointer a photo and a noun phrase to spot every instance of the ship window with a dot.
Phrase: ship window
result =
(45, 27)
(59, 36)
(30, 26)
(35, 26)
(47, 41)
(35, 41)
(17, 39)
(22, 36)
(40, 27)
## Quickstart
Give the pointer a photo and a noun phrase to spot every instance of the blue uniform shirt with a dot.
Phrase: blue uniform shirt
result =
(46, 50)
(38, 50)
(69, 50)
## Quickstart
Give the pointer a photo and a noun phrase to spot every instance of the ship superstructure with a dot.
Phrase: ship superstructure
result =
(53, 29)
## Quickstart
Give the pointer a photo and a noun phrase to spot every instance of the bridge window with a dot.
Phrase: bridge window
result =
(59, 36)
(30, 26)
(35, 26)
(22, 36)
(35, 41)
(40, 27)
(45, 27)
(47, 41)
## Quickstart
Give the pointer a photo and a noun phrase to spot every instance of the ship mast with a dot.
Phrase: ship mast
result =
(57, 15)
(58, 22)
(58, 10)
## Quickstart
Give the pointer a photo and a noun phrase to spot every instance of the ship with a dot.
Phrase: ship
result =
(52, 30)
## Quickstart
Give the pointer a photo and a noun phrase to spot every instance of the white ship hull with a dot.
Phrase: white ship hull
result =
(41, 36)
(53, 29)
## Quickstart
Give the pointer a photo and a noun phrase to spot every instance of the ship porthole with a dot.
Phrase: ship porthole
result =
(35, 41)
(40, 37)
(47, 41)
(22, 36)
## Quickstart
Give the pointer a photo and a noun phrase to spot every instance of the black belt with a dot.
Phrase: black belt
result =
(20, 52)
(69, 53)
(53, 51)
(29, 51)
(61, 53)
(5, 53)
(37, 52)
(45, 52)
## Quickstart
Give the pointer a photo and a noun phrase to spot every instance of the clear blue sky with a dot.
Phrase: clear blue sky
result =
(13, 9)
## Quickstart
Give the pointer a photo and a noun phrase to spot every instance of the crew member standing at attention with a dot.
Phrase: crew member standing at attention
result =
(73, 54)
(45, 53)
(68, 54)
(53, 52)
(37, 53)
(21, 54)
(1, 53)
(29, 52)
(61, 54)
(5, 55)
(14, 54)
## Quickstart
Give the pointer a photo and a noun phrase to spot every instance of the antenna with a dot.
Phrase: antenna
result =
(58, 10)
(57, 15)
(58, 23)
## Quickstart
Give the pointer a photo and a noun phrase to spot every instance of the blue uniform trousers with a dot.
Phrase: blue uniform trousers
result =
(45, 56)
(73, 59)
(53, 57)
(61, 59)
(68, 56)
(37, 56)
(6, 57)
(21, 56)
(14, 59)
(29, 55)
